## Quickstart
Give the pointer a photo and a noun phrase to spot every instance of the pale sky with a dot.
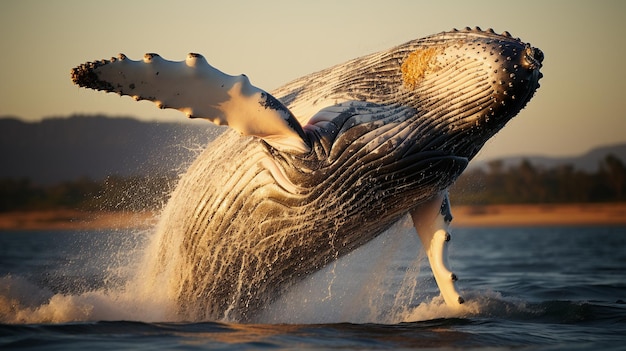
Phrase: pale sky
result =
(580, 104)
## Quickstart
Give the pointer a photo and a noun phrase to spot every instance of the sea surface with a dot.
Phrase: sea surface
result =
(535, 288)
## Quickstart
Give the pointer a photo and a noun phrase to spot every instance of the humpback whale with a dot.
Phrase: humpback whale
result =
(323, 164)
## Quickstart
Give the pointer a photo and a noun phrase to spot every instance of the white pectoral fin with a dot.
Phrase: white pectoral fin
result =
(432, 222)
(199, 90)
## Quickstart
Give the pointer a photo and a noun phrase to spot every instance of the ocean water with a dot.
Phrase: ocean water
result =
(545, 288)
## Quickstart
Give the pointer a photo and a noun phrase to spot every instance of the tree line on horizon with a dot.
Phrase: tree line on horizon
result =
(524, 183)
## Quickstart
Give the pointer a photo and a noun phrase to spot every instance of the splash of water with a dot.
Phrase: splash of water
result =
(119, 294)
(380, 283)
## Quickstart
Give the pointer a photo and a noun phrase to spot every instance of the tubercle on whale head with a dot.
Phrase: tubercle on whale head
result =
(471, 82)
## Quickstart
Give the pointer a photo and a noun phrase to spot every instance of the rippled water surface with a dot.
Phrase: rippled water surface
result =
(527, 288)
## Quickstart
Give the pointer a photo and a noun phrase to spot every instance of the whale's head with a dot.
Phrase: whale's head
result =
(466, 85)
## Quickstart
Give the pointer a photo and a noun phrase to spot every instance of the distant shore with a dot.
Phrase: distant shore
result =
(464, 216)
(72, 219)
(540, 215)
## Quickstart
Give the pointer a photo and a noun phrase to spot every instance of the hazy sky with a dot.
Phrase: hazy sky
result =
(580, 104)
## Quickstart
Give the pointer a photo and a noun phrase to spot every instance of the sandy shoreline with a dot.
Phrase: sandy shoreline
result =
(464, 216)
(540, 215)
(72, 219)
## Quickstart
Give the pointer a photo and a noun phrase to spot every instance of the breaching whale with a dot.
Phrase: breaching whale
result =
(323, 164)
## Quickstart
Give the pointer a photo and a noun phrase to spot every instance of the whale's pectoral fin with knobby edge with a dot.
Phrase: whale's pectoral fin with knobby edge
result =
(199, 90)
(432, 221)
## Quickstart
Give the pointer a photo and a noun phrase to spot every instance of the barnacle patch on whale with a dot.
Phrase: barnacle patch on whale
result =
(417, 64)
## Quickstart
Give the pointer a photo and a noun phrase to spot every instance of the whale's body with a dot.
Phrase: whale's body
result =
(330, 161)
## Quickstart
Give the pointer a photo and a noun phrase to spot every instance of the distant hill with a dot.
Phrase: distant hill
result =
(587, 162)
(63, 149)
